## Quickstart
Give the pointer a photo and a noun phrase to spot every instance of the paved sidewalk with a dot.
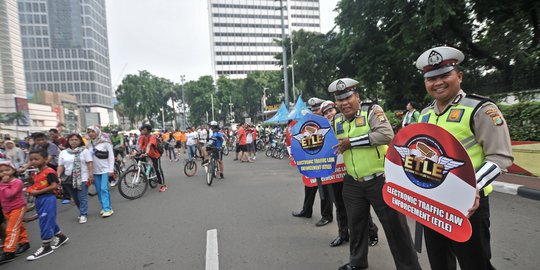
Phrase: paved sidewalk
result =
(525, 186)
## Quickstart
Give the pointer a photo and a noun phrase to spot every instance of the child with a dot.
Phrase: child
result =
(14, 208)
(45, 184)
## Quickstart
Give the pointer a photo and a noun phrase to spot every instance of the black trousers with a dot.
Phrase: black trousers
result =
(358, 196)
(473, 254)
(156, 163)
(309, 200)
(341, 214)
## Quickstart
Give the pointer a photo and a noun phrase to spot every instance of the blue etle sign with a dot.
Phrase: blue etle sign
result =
(311, 146)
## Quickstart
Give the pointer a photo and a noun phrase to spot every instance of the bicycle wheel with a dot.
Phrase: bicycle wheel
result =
(275, 153)
(133, 184)
(211, 170)
(269, 152)
(190, 169)
(153, 179)
(225, 151)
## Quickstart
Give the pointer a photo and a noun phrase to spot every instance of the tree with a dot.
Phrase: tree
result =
(142, 96)
(382, 39)
(198, 93)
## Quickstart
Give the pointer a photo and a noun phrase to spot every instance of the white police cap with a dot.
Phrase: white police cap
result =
(343, 88)
(439, 60)
(327, 105)
(315, 103)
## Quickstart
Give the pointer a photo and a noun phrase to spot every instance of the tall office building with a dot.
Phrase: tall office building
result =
(243, 32)
(65, 48)
(11, 58)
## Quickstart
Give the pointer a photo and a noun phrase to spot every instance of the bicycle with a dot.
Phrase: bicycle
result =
(136, 178)
(30, 214)
(212, 166)
(190, 168)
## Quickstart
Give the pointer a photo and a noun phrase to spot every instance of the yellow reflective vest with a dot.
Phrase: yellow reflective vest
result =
(359, 161)
(458, 120)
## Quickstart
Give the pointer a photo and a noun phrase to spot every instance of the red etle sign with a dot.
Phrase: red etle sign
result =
(430, 178)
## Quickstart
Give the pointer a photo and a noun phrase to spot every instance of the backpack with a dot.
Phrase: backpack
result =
(160, 147)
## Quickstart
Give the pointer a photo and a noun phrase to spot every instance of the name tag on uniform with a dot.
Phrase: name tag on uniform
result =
(339, 128)
(455, 115)
(360, 121)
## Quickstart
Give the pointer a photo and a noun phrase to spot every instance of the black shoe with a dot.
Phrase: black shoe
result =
(221, 175)
(41, 252)
(338, 241)
(350, 267)
(58, 241)
(7, 257)
(301, 214)
(323, 222)
(22, 248)
(373, 240)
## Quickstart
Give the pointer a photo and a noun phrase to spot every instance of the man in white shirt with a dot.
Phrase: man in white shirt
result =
(191, 142)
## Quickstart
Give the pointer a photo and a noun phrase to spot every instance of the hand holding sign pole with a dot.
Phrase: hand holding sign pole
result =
(430, 178)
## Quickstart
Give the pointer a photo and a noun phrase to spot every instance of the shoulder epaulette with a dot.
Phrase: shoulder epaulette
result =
(472, 100)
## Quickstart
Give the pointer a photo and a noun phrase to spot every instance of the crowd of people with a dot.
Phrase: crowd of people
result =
(363, 131)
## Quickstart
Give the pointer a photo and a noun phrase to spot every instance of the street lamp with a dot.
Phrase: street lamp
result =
(285, 75)
(182, 79)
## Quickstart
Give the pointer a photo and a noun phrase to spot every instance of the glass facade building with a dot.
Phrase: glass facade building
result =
(243, 32)
(65, 49)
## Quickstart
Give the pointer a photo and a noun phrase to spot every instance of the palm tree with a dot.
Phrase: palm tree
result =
(9, 118)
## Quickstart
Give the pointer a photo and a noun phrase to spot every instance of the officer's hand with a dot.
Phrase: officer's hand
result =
(475, 205)
(342, 146)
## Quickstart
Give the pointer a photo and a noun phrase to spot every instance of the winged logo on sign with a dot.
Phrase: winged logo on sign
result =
(423, 151)
(309, 133)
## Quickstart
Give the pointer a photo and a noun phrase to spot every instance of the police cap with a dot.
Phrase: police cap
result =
(439, 60)
(343, 88)
(315, 104)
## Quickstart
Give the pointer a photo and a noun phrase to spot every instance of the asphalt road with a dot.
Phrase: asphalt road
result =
(251, 211)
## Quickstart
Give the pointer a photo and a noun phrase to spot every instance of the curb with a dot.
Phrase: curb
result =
(515, 189)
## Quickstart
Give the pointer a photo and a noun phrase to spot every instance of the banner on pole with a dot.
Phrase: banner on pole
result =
(430, 178)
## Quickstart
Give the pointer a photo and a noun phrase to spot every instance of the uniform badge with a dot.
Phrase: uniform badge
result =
(455, 115)
(339, 128)
(434, 58)
(425, 118)
(496, 117)
(380, 115)
(360, 121)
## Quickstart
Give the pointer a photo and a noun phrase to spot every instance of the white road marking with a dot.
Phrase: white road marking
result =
(212, 260)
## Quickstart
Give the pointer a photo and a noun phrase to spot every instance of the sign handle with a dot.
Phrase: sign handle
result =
(419, 230)
(320, 186)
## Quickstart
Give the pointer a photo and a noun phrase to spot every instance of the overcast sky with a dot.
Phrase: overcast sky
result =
(167, 37)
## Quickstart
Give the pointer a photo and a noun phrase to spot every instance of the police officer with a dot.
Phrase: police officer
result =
(311, 192)
(363, 133)
(479, 125)
(328, 110)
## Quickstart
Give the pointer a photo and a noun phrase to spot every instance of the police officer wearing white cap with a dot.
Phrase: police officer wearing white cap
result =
(364, 133)
(311, 192)
(479, 125)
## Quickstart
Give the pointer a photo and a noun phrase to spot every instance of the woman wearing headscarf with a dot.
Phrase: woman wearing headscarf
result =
(14, 154)
(103, 162)
(75, 170)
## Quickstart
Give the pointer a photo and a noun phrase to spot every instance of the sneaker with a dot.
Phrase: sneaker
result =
(204, 163)
(41, 252)
(163, 188)
(65, 201)
(22, 248)
(83, 220)
(7, 257)
(101, 212)
(373, 240)
(59, 241)
(114, 183)
(107, 213)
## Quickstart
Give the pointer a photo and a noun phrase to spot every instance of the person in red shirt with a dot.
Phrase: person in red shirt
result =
(148, 144)
(242, 142)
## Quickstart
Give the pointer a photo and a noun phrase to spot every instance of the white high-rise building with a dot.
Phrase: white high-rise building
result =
(243, 32)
